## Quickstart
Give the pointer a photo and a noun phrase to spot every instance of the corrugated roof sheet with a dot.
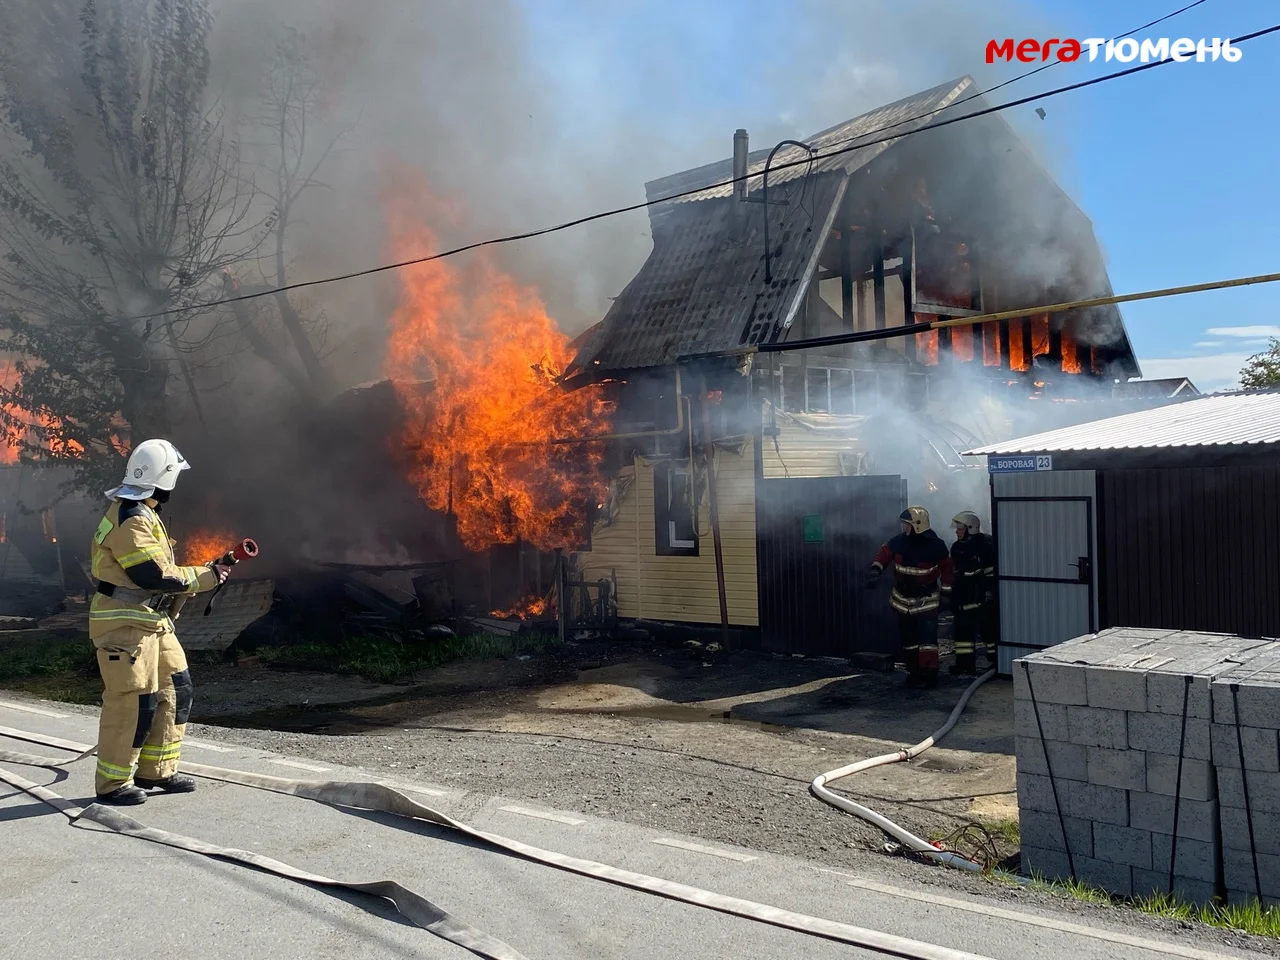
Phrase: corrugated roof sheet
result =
(1229, 419)
(901, 117)
(700, 292)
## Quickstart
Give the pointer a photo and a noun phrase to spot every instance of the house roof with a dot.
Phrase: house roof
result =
(702, 291)
(1244, 419)
(1163, 387)
(900, 117)
(698, 292)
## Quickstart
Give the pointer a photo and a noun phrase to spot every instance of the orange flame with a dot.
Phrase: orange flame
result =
(201, 546)
(527, 608)
(476, 442)
(1070, 355)
(24, 427)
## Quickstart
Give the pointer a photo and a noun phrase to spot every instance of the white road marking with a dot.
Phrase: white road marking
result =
(541, 815)
(200, 744)
(413, 788)
(299, 765)
(36, 710)
(711, 851)
(1050, 923)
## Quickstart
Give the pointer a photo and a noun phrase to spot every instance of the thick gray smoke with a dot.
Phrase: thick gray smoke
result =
(525, 124)
(519, 117)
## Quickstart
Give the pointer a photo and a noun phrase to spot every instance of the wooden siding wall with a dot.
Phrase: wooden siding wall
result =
(683, 589)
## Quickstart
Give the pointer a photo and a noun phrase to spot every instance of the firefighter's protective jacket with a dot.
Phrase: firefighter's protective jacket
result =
(131, 550)
(973, 561)
(921, 572)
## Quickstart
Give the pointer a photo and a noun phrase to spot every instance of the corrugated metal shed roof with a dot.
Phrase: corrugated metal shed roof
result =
(901, 117)
(1228, 419)
(700, 292)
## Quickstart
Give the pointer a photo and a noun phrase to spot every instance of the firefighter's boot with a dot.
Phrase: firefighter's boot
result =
(928, 660)
(126, 796)
(965, 665)
(178, 783)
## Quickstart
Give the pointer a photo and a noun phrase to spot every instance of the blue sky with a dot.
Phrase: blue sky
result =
(1176, 166)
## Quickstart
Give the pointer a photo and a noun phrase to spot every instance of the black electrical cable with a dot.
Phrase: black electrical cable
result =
(1177, 788)
(1023, 76)
(617, 211)
(1244, 789)
(1053, 784)
(764, 195)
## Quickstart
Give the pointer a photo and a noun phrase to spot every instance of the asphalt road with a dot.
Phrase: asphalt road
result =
(72, 892)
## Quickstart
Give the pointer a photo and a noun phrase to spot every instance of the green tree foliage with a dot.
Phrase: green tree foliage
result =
(119, 196)
(1263, 369)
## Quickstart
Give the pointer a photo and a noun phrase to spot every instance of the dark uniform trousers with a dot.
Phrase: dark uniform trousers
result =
(976, 619)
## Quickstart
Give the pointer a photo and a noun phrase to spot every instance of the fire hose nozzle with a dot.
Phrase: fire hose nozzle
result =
(244, 550)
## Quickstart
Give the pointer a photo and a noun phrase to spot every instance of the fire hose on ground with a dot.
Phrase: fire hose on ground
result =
(905, 837)
(414, 907)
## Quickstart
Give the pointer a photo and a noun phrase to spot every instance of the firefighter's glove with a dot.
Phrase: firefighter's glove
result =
(221, 571)
(872, 580)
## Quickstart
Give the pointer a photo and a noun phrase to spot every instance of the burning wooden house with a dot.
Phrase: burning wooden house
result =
(751, 482)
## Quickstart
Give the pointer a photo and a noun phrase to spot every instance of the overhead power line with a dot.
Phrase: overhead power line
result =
(911, 329)
(617, 211)
(1022, 76)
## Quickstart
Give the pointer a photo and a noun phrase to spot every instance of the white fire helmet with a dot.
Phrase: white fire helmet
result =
(916, 517)
(967, 519)
(153, 465)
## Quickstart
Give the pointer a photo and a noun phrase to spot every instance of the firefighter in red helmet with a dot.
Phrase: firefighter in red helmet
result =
(921, 574)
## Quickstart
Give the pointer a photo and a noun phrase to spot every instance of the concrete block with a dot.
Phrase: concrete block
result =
(1044, 832)
(1264, 792)
(1067, 761)
(1196, 859)
(1037, 793)
(1117, 689)
(1235, 830)
(1051, 682)
(1259, 702)
(1237, 868)
(1160, 733)
(1053, 719)
(1097, 727)
(1115, 878)
(1091, 801)
(1185, 889)
(1165, 692)
(1126, 769)
(1240, 899)
(1122, 845)
(1261, 747)
(1046, 864)
(1197, 819)
(1198, 781)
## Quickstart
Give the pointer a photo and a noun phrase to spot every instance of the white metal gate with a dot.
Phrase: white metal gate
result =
(1044, 572)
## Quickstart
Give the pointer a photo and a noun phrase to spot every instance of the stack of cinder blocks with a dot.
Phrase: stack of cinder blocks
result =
(1256, 737)
(1104, 726)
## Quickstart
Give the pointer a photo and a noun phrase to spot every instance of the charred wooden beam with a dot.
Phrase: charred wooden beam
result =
(846, 279)
(877, 279)
(908, 302)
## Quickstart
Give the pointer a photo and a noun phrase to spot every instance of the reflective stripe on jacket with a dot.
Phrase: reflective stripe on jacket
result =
(130, 534)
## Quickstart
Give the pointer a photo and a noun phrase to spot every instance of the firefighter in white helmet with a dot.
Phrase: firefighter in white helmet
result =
(921, 574)
(973, 561)
(146, 697)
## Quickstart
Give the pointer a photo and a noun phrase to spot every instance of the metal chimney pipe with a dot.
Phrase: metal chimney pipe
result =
(739, 215)
(740, 163)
